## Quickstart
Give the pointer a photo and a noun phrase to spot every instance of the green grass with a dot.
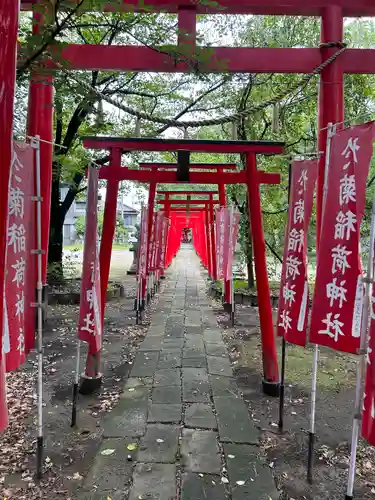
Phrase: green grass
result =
(336, 370)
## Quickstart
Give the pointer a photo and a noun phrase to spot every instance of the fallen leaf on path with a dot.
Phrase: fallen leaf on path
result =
(107, 452)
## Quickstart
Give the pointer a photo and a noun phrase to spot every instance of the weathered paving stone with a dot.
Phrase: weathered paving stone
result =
(159, 444)
(127, 419)
(216, 350)
(169, 358)
(208, 487)
(200, 452)
(201, 416)
(219, 366)
(174, 332)
(212, 336)
(246, 464)
(88, 494)
(192, 352)
(165, 413)
(152, 343)
(195, 385)
(169, 343)
(223, 386)
(145, 364)
(198, 361)
(234, 421)
(194, 342)
(193, 330)
(112, 471)
(167, 378)
(154, 482)
(169, 395)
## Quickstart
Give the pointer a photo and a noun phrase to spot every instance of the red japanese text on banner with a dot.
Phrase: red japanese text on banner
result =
(294, 290)
(338, 297)
(142, 244)
(222, 241)
(20, 281)
(90, 323)
(234, 219)
(151, 243)
(368, 417)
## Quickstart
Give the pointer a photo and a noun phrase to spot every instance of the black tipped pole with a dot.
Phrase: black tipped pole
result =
(75, 385)
(39, 458)
(74, 405)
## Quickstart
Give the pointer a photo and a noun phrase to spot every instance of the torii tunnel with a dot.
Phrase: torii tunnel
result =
(114, 173)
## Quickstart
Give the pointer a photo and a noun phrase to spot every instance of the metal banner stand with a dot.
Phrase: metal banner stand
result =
(35, 142)
(283, 349)
(361, 363)
(282, 386)
(75, 386)
(331, 130)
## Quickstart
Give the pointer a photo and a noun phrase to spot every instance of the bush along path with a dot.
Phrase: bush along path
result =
(180, 429)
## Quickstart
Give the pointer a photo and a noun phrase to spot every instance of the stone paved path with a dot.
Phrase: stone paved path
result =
(181, 408)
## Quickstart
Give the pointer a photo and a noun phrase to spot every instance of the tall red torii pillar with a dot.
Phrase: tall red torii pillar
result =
(40, 122)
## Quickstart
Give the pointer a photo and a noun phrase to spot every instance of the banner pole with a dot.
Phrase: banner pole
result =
(361, 363)
(75, 385)
(282, 386)
(36, 144)
(331, 130)
(283, 349)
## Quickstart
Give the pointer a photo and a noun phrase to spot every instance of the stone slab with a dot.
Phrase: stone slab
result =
(195, 386)
(154, 482)
(212, 336)
(234, 421)
(216, 350)
(200, 416)
(193, 330)
(127, 419)
(169, 358)
(198, 361)
(208, 487)
(247, 464)
(165, 413)
(167, 378)
(113, 471)
(194, 342)
(169, 395)
(200, 451)
(219, 366)
(224, 386)
(145, 364)
(151, 343)
(169, 343)
(159, 444)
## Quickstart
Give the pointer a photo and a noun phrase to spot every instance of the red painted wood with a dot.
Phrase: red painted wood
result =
(351, 8)
(200, 166)
(331, 97)
(216, 59)
(191, 193)
(131, 144)
(108, 231)
(195, 177)
(270, 364)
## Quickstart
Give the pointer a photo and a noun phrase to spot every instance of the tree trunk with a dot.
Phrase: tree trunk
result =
(55, 248)
(250, 266)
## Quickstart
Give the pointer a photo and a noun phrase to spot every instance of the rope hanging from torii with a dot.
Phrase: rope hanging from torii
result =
(140, 115)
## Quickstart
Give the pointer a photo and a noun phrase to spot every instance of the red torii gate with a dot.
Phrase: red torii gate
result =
(115, 173)
(207, 210)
